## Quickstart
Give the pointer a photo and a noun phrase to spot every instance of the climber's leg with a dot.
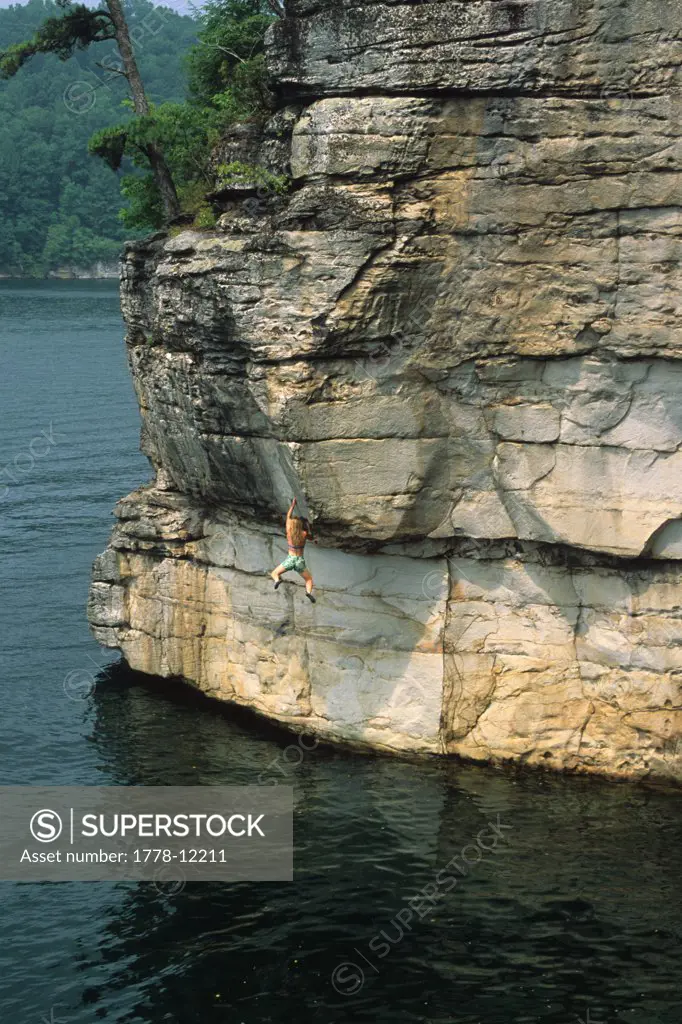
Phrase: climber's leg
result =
(309, 584)
(277, 574)
(287, 565)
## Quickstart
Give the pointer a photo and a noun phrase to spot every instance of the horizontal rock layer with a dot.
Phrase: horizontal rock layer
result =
(571, 46)
(458, 341)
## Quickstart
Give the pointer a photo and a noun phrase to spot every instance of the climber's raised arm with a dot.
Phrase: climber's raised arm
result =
(309, 531)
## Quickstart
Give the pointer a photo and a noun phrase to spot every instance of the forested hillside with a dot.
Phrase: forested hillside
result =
(59, 206)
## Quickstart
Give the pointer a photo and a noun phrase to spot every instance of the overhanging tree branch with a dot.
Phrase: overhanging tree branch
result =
(111, 68)
(76, 30)
(224, 49)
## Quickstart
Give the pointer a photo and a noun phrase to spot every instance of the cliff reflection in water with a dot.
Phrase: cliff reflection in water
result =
(577, 909)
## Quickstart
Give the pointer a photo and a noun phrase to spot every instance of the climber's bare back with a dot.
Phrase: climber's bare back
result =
(298, 532)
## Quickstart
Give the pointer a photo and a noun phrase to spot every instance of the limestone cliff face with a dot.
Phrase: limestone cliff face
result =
(459, 340)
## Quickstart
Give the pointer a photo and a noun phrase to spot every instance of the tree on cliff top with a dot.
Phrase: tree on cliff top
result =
(76, 29)
(227, 83)
(227, 79)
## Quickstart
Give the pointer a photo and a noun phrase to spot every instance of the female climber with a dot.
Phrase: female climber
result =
(298, 532)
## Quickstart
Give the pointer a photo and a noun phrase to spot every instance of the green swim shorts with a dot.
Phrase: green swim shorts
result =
(295, 563)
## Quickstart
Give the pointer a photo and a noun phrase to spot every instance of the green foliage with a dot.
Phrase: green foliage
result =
(205, 218)
(74, 29)
(186, 134)
(57, 205)
(193, 201)
(226, 67)
(68, 242)
(144, 209)
(238, 173)
(110, 144)
(227, 83)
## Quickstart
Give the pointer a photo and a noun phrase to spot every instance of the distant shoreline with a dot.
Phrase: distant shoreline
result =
(97, 272)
